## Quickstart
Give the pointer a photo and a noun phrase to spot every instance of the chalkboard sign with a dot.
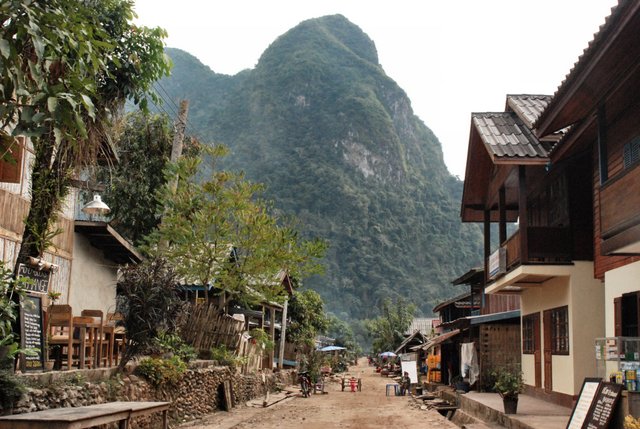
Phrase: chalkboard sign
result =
(31, 333)
(603, 406)
(589, 389)
(39, 279)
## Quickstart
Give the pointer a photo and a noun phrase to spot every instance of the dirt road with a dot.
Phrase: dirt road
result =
(370, 408)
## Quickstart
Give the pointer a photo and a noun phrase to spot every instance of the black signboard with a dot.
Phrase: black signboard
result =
(31, 333)
(590, 387)
(595, 405)
(603, 406)
(39, 278)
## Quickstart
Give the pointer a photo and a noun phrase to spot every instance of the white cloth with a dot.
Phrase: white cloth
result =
(469, 362)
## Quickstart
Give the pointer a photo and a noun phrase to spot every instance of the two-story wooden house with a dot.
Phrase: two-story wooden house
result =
(548, 260)
(600, 101)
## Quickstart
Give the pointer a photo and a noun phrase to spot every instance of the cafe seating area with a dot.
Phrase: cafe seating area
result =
(91, 340)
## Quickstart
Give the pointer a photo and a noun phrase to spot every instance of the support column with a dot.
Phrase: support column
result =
(283, 335)
(523, 214)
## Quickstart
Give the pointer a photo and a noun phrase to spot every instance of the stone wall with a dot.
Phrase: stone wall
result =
(194, 396)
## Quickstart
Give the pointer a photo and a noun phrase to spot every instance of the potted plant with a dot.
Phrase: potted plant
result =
(509, 383)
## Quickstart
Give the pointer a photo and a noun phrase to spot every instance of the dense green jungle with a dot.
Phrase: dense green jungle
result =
(337, 144)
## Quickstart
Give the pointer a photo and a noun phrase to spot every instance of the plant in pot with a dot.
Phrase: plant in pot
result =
(509, 383)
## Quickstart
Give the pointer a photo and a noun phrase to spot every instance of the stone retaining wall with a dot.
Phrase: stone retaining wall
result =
(194, 396)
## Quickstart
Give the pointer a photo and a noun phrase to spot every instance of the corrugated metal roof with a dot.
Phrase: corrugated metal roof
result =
(506, 136)
(422, 324)
(528, 107)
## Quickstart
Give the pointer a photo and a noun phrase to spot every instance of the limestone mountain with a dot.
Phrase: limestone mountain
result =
(337, 144)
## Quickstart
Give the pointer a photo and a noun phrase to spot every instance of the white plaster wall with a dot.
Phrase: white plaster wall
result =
(553, 293)
(586, 314)
(621, 280)
(93, 279)
(529, 369)
(584, 296)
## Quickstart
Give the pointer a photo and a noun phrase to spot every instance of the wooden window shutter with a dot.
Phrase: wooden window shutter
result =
(617, 316)
(11, 153)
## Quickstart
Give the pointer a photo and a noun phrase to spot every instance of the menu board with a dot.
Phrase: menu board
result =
(589, 389)
(595, 405)
(603, 406)
(39, 279)
(31, 333)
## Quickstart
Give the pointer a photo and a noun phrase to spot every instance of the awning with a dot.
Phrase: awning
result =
(331, 349)
(440, 339)
(465, 322)
(114, 246)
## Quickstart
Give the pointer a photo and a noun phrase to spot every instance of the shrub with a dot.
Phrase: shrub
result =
(161, 372)
(226, 357)
(173, 344)
(509, 381)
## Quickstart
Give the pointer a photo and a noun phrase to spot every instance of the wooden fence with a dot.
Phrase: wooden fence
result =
(205, 326)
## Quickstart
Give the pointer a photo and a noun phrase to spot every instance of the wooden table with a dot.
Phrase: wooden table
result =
(85, 417)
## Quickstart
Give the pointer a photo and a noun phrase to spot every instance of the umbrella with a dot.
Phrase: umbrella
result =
(387, 354)
(331, 348)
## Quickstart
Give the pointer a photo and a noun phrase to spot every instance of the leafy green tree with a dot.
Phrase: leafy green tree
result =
(387, 330)
(144, 146)
(218, 230)
(343, 334)
(308, 318)
(66, 68)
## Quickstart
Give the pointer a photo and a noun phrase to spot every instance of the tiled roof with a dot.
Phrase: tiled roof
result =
(506, 136)
(528, 107)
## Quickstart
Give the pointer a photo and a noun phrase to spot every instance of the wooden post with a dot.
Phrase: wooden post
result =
(272, 334)
(523, 214)
(283, 334)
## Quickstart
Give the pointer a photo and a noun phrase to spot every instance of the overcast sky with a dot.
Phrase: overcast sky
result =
(451, 57)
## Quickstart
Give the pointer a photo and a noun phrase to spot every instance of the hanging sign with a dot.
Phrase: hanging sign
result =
(39, 278)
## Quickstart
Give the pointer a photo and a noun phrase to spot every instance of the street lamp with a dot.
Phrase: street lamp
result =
(96, 207)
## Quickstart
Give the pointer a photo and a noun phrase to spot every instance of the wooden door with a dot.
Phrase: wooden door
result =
(547, 330)
(537, 350)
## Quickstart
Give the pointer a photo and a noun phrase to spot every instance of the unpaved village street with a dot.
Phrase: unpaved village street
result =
(370, 408)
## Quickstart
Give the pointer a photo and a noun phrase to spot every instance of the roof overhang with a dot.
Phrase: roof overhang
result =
(612, 53)
(529, 276)
(440, 339)
(114, 246)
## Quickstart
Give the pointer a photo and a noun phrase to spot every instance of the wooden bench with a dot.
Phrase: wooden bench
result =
(86, 417)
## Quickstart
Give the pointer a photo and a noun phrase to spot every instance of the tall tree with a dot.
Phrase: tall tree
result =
(387, 330)
(308, 318)
(66, 68)
(217, 229)
(144, 146)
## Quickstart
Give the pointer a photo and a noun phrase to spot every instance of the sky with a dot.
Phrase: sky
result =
(451, 57)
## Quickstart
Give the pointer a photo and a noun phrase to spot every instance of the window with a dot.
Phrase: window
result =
(631, 152)
(11, 160)
(626, 315)
(560, 330)
(530, 327)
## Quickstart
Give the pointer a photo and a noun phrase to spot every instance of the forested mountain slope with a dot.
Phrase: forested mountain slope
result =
(338, 146)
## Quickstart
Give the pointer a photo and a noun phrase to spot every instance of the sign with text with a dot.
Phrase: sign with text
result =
(31, 335)
(595, 405)
(39, 278)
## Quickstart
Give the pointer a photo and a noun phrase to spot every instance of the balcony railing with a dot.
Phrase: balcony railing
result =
(545, 245)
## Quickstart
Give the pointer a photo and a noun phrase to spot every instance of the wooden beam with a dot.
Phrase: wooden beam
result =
(523, 214)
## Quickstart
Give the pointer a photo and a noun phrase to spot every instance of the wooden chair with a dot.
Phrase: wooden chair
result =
(97, 341)
(60, 330)
(119, 335)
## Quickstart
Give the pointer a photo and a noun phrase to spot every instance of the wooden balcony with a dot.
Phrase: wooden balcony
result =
(546, 245)
(620, 213)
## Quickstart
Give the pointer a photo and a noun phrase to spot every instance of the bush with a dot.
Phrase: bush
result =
(161, 372)
(226, 357)
(509, 381)
(173, 344)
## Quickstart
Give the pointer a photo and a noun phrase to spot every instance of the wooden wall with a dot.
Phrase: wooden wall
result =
(499, 346)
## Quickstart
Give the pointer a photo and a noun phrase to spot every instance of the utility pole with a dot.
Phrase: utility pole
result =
(181, 124)
(283, 334)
